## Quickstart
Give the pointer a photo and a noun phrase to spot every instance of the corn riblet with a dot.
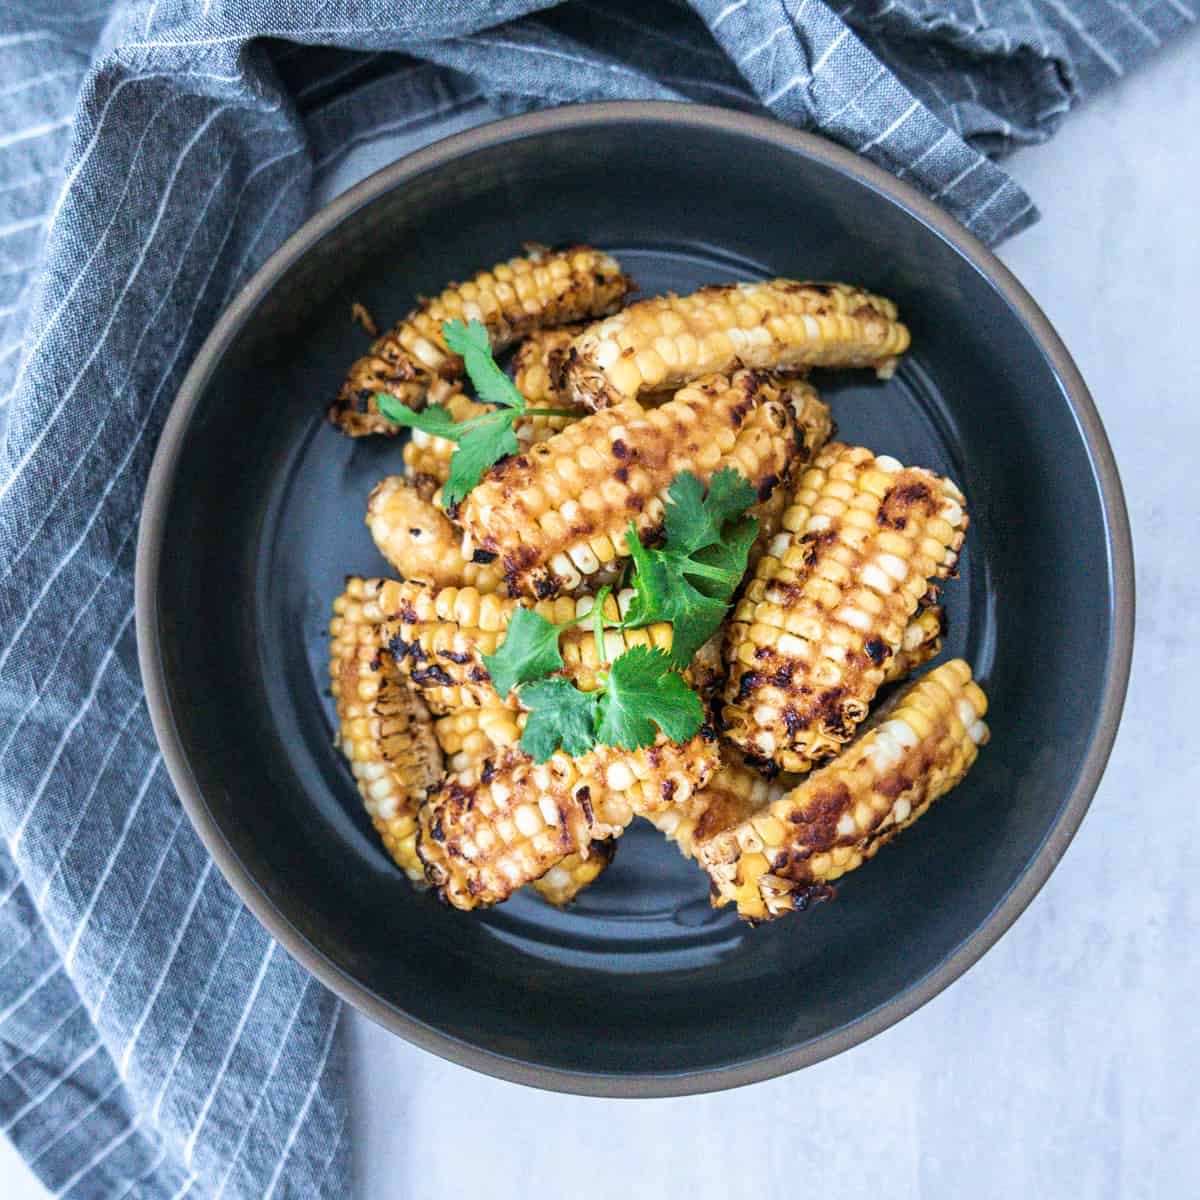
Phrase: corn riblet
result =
(557, 515)
(384, 730)
(565, 880)
(492, 829)
(440, 635)
(922, 642)
(732, 795)
(536, 364)
(779, 325)
(545, 287)
(416, 537)
(813, 635)
(916, 749)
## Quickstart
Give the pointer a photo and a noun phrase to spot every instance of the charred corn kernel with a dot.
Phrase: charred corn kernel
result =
(535, 365)
(816, 628)
(565, 880)
(492, 829)
(732, 795)
(545, 287)
(556, 515)
(429, 456)
(439, 638)
(777, 325)
(384, 731)
(416, 537)
(813, 417)
(915, 749)
(922, 641)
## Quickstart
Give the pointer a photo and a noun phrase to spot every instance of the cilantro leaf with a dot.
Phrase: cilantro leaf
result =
(643, 691)
(693, 519)
(432, 419)
(478, 449)
(529, 651)
(717, 569)
(471, 342)
(559, 714)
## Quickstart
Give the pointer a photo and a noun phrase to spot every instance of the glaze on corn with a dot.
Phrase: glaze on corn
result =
(545, 287)
(565, 880)
(384, 730)
(917, 748)
(814, 633)
(537, 363)
(417, 538)
(557, 515)
(777, 325)
(490, 830)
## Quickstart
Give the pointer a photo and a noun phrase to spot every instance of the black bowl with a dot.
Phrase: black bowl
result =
(254, 514)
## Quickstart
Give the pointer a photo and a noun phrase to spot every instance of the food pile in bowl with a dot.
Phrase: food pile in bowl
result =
(638, 579)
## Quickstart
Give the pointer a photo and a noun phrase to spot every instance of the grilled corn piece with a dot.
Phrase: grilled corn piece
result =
(546, 287)
(813, 635)
(416, 537)
(535, 365)
(813, 417)
(492, 829)
(777, 325)
(732, 795)
(556, 516)
(922, 642)
(917, 748)
(565, 880)
(439, 636)
(384, 731)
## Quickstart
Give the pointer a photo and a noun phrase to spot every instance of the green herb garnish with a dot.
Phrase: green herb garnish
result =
(483, 440)
(690, 579)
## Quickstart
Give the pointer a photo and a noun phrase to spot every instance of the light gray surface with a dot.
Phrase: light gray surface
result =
(1064, 1062)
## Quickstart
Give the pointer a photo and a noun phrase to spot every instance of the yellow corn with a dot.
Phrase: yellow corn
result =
(566, 879)
(922, 641)
(439, 636)
(557, 515)
(812, 637)
(426, 456)
(732, 794)
(384, 731)
(916, 749)
(546, 287)
(777, 325)
(535, 365)
(813, 417)
(416, 537)
(492, 829)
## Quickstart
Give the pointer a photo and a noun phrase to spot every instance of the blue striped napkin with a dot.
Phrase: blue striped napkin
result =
(154, 1042)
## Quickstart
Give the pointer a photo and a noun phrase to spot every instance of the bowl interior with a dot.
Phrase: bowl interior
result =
(640, 978)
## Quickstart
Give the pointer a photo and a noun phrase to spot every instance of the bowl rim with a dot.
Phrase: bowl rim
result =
(699, 118)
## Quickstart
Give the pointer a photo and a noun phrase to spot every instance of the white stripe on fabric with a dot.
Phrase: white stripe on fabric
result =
(14, 39)
(726, 12)
(916, 162)
(1086, 37)
(116, 306)
(408, 119)
(1182, 9)
(887, 133)
(51, 876)
(53, 1085)
(29, 181)
(17, 226)
(33, 131)
(1137, 23)
(81, 162)
(81, 611)
(824, 56)
(297, 1008)
(185, 1188)
(74, 1123)
(100, 1155)
(959, 178)
(15, 948)
(28, 1052)
(189, 1146)
(36, 79)
(779, 93)
(757, 50)
(72, 725)
(347, 69)
(177, 941)
(217, 961)
(546, 52)
(155, 1163)
(34, 987)
(132, 925)
(150, 409)
(303, 1113)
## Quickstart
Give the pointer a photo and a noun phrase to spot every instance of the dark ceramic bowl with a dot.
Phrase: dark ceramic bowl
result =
(254, 514)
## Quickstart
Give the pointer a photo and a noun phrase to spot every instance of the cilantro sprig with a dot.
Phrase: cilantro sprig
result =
(483, 440)
(690, 579)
